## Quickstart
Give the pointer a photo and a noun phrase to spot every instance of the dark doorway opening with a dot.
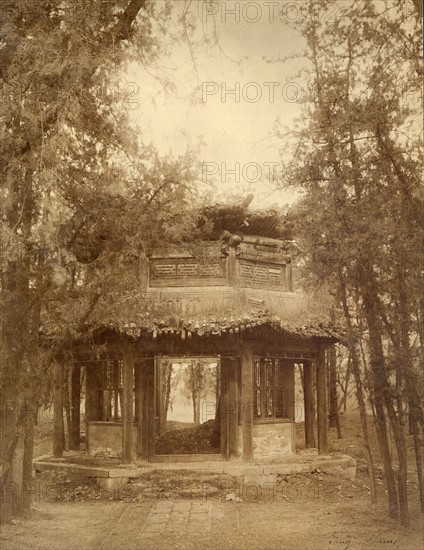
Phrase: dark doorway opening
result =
(187, 393)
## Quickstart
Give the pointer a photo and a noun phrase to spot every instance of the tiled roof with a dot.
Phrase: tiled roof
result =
(217, 314)
(185, 328)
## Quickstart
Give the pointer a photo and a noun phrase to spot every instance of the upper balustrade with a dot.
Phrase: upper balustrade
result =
(243, 262)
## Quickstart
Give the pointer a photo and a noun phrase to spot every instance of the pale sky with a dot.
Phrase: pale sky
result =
(183, 100)
(237, 130)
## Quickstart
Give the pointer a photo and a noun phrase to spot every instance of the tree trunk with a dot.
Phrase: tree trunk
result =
(196, 406)
(333, 415)
(411, 381)
(19, 323)
(418, 444)
(380, 398)
(355, 362)
(343, 402)
(58, 424)
(11, 458)
(67, 408)
(76, 407)
(28, 481)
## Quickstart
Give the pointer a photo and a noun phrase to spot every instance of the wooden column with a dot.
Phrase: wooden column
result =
(160, 397)
(90, 392)
(308, 404)
(100, 378)
(151, 406)
(138, 401)
(289, 276)
(90, 399)
(107, 409)
(75, 407)
(247, 402)
(143, 411)
(107, 394)
(232, 411)
(322, 404)
(223, 408)
(58, 431)
(230, 366)
(127, 407)
(116, 374)
(289, 404)
(146, 411)
(137, 392)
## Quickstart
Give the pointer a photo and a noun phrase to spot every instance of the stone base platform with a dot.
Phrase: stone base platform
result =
(113, 475)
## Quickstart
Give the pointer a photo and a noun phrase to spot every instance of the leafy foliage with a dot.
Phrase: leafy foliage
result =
(360, 165)
(81, 197)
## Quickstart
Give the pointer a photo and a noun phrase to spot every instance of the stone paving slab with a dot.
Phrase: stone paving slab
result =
(179, 518)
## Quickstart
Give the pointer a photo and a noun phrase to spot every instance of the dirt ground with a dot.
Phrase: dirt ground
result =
(292, 524)
(185, 510)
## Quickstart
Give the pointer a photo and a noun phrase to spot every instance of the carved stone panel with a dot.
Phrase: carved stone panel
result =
(186, 272)
(252, 274)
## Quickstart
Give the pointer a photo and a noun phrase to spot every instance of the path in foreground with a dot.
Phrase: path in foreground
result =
(186, 524)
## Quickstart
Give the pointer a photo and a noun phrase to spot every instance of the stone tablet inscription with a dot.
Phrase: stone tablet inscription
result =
(262, 275)
(165, 270)
(186, 272)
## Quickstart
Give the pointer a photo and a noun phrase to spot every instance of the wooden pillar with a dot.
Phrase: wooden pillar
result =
(333, 410)
(90, 392)
(146, 410)
(308, 404)
(107, 394)
(58, 431)
(138, 402)
(230, 366)
(160, 397)
(143, 424)
(247, 402)
(232, 410)
(289, 404)
(137, 392)
(289, 277)
(107, 403)
(223, 408)
(100, 378)
(116, 383)
(75, 407)
(90, 399)
(322, 403)
(127, 407)
(151, 406)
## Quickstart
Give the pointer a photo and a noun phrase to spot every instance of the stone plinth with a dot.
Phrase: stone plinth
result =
(105, 439)
(273, 439)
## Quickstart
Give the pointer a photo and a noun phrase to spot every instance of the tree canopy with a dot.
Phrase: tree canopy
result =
(359, 154)
(81, 197)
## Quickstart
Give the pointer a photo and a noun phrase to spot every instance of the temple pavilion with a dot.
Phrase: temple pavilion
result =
(232, 299)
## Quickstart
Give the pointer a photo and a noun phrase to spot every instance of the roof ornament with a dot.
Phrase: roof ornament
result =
(230, 242)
